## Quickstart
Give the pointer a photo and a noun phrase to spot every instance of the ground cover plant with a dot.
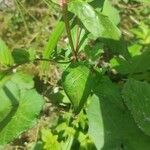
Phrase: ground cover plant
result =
(100, 99)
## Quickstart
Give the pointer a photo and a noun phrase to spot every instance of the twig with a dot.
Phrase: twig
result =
(34, 61)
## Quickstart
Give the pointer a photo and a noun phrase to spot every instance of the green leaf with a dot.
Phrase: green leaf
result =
(93, 52)
(50, 140)
(111, 12)
(76, 82)
(134, 65)
(53, 40)
(135, 49)
(97, 4)
(20, 56)
(96, 126)
(112, 127)
(4, 77)
(18, 110)
(5, 54)
(137, 98)
(68, 143)
(104, 87)
(96, 23)
(23, 81)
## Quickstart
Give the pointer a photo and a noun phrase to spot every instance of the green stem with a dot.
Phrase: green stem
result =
(34, 61)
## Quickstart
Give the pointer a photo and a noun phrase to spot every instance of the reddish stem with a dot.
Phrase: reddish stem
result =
(68, 28)
(78, 38)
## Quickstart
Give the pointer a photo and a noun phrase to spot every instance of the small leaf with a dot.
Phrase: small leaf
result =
(20, 56)
(50, 140)
(5, 54)
(76, 83)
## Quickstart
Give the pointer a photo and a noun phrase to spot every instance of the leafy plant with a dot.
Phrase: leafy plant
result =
(106, 84)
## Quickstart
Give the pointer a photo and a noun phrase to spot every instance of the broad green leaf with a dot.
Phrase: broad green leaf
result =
(96, 23)
(77, 85)
(111, 12)
(5, 107)
(137, 98)
(24, 81)
(19, 108)
(96, 127)
(104, 87)
(111, 126)
(5, 54)
(4, 77)
(117, 47)
(53, 40)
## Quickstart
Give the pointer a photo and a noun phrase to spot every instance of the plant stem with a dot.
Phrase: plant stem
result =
(34, 61)
(68, 29)
(77, 39)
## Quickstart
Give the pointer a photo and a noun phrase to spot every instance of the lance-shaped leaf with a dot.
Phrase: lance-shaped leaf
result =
(52, 43)
(77, 84)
